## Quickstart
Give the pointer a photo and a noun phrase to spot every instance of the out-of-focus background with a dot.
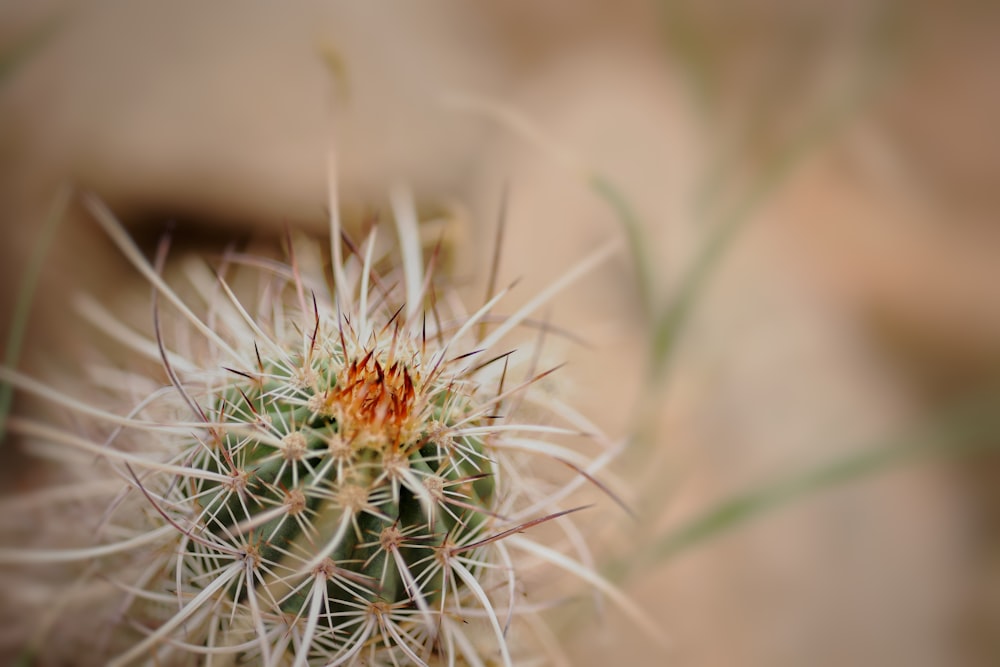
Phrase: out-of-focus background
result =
(841, 157)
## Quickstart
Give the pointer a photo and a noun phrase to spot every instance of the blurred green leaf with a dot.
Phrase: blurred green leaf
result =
(973, 426)
(637, 243)
(879, 42)
(26, 295)
(22, 50)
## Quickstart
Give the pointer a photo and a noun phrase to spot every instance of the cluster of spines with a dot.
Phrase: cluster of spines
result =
(341, 468)
(347, 497)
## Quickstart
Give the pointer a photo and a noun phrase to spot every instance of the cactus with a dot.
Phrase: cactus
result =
(339, 478)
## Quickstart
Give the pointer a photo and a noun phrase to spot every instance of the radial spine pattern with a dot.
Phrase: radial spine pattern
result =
(333, 477)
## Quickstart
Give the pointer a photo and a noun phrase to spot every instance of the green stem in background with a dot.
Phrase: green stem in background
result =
(881, 43)
(25, 297)
(970, 428)
(686, 44)
(26, 47)
(675, 316)
(668, 322)
(10, 62)
(638, 245)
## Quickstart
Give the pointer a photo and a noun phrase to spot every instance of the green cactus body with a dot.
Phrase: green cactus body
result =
(403, 475)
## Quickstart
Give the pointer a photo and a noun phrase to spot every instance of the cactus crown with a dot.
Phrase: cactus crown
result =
(337, 478)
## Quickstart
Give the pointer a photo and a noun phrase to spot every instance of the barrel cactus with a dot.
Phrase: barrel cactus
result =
(333, 470)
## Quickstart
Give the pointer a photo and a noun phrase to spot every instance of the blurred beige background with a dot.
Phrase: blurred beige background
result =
(863, 292)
